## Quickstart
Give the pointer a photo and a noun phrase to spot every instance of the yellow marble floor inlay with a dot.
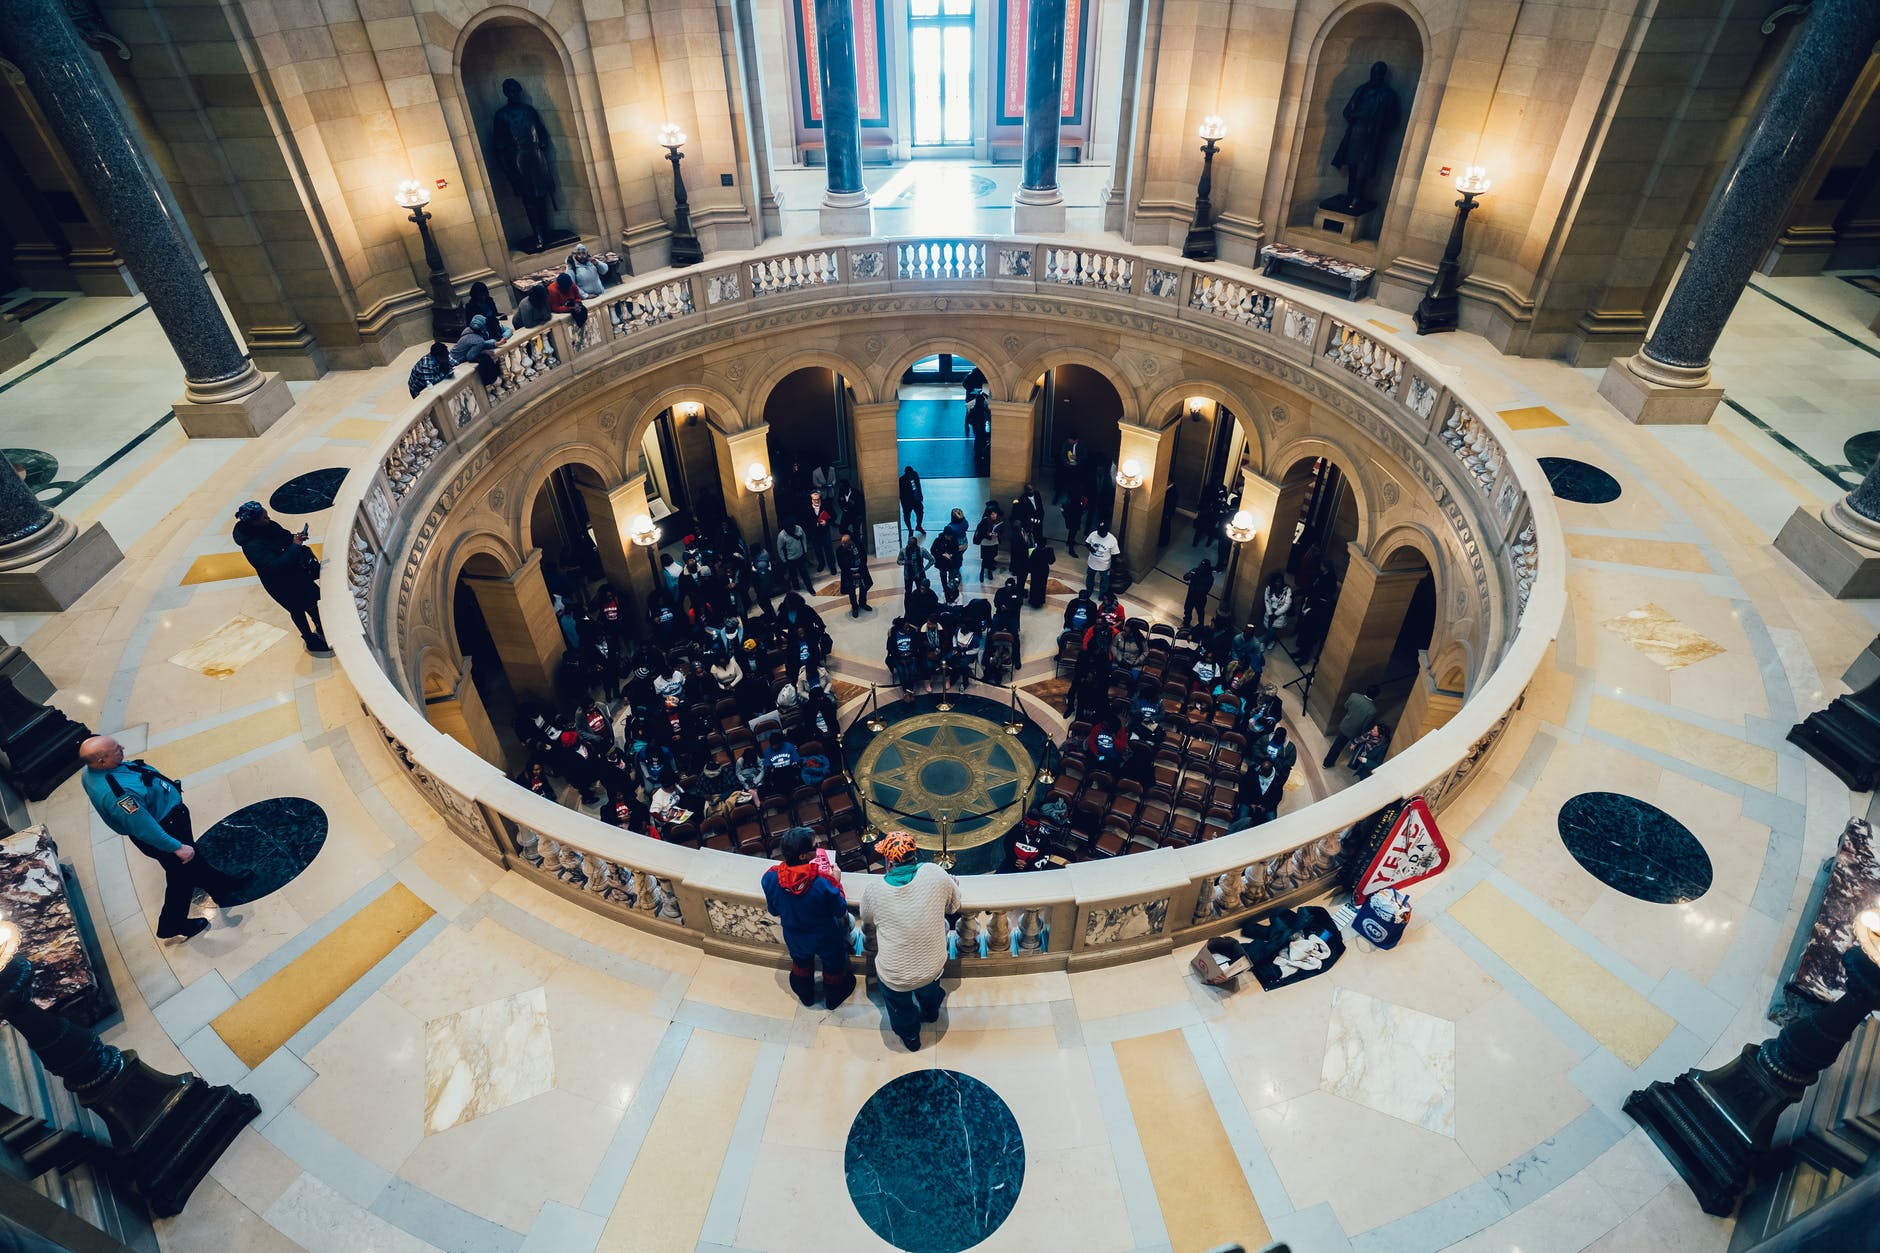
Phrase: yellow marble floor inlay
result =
(1196, 1172)
(355, 428)
(229, 647)
(1531, 418)
(184, 757)
(1654, 632)
(1602, 1003)
(261, 1022)
(662, 1204)
(1674, 737)
(1384, 326)
(217, 567)
(1659, 554)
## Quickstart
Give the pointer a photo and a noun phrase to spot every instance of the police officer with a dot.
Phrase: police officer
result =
(136, 801)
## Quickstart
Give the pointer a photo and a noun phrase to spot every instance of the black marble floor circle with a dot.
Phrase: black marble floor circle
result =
(1579, 482)
(40, 467)
(1861, 452)
(935, 1162)
(271, 840)
(1637, 848)
(309, 492)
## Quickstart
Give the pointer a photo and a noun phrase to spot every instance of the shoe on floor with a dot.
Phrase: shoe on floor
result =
(912, 1042)
(934, 1016)
(834, 996)
(193, 927)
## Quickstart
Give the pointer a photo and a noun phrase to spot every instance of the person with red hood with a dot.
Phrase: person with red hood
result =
(815, 916)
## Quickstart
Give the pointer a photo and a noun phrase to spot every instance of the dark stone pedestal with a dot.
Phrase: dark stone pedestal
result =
(38, 743)
(1845, 737)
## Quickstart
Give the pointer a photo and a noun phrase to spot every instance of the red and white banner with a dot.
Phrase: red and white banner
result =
(1017, 14)
(1413, 851)
(867, 60)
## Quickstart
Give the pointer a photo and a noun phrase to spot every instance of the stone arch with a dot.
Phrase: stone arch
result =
(1288, 457)
(1385, 550)
(715, 402)
(758, 394)
(1254, 430)
(1452, 664)
(474, 552)
(979, 353)
(605, 465)
(438, 671)
(1029, 368)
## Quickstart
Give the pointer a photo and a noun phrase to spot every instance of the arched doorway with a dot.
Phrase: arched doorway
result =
(561, 525)
(1209, 458)
(943, 429)
(808, 416)
(684, 489)
(476, 644)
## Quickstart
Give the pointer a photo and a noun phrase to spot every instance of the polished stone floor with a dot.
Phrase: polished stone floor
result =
(451, 1058)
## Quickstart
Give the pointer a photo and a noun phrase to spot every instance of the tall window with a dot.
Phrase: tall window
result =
(941, 46)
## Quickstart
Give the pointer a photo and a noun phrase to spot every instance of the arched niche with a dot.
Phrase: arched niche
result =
(506, 46)
(1355, 41)
(807, 413)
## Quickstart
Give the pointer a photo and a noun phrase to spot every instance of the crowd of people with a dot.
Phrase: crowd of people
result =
(581, 277)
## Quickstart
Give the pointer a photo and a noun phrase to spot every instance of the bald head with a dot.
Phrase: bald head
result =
(101, 752)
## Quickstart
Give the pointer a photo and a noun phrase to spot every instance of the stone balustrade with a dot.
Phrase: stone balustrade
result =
(1092, 913)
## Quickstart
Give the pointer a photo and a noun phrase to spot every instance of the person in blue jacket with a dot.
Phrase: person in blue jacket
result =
(147, 807)
(815, 916)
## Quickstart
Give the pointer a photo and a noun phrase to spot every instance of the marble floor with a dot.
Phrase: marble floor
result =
(450, 1058)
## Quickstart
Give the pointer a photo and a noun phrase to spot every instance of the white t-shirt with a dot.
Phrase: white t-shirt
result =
(1102, 548)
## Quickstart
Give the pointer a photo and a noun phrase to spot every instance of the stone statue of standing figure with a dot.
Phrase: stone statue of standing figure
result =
(1370, 125)
(525, 153)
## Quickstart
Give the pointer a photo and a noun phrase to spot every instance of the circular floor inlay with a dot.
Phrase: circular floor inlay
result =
(309, 492)
(1637, 848)
(935, 1161)
(274, 840)
(1579, 482)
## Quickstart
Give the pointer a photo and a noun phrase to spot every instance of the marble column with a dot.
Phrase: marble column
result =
(223, 393)
(845, 208)
(1668, 380)
(46, 562)
(1038, 206)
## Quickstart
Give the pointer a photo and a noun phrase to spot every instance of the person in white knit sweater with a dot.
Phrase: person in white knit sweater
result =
(907, 912)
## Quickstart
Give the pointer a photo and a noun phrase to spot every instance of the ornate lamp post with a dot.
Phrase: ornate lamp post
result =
(1199, 246)
(1240, 528)
(1129, 478)
(1439, 308)
(168, 1130)
(1715, 1125)
(642, 532)
(446, 314)
(758, 479)
(685, 246)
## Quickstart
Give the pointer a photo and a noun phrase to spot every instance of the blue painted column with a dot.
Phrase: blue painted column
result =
(845, 200)
(224, 394)
(1039, 204)
(1823, 60)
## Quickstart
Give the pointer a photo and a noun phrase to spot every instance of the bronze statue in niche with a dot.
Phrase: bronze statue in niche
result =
(1370, 124)
(525, 154)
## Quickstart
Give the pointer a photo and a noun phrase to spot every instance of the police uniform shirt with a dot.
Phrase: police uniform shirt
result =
(133, 800)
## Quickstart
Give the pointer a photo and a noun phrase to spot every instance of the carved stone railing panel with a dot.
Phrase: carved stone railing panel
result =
(1123, 924)
(940, 259)
(798, 270)
(1524, 553)
(1299, 324)
(1239, 303)
(524, 359)
(721, 288)
(1474, 446)
(1358, 354)
(868, 263)
(1161, 284)
(1420, 399)
(1077, 267)
(414, 453)
(362, 564)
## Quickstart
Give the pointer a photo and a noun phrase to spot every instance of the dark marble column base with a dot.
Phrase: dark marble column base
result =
(1830, 554)
(55, 581)
(15, 344)
(1651, 393)
(235, 412)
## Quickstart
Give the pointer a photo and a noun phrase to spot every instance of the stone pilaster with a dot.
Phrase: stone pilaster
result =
(521, 621)
(737, 450)
(1014, 432)
(15, 344)
(878, 461)
(1153, 451)
(845, 208)
(223, 394)
(1038, 205)
(1362, 632)
(1427, 708)
(1668, 380)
